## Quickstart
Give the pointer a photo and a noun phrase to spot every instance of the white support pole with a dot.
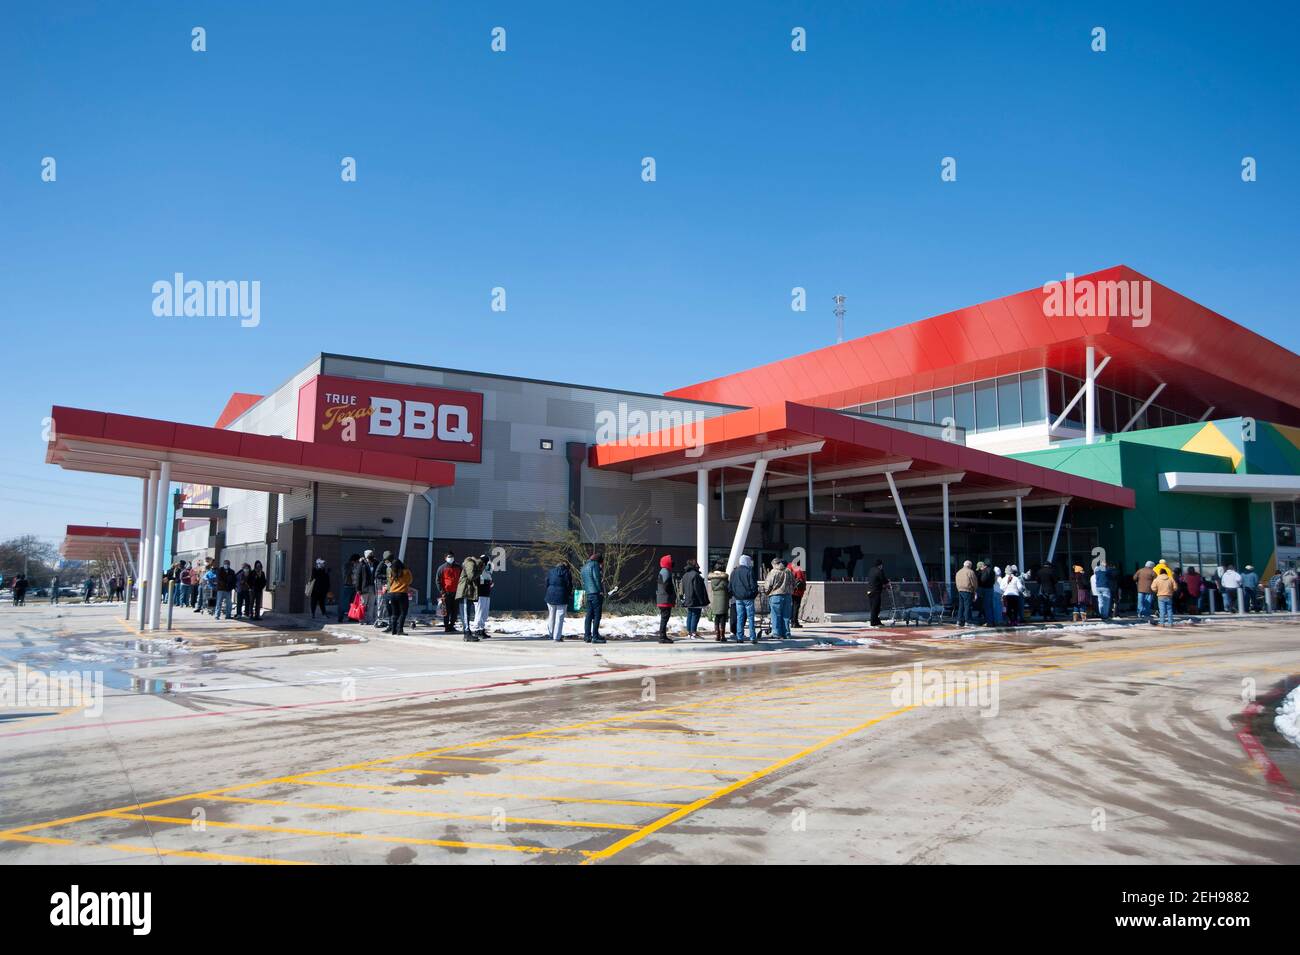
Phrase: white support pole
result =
(1069, 406)
(1056, 531)
(947, 544)
(702, 519)
(159, 544)
(1089, 402)
(1020, 535)
(1144, 406)
(907, 531)
(130, 564)
(406, 527)
(146, 549)
(746, 513)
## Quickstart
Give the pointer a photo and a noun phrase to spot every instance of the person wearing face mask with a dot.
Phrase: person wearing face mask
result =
(225, 586)
(446, 580)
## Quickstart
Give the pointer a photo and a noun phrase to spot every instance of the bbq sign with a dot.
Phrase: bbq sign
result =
(384, 416)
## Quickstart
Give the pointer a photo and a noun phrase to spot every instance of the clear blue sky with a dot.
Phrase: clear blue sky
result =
(522, 170)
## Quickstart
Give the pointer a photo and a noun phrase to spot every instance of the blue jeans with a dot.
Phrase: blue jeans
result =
(1103, 604)
(693, 618)
(223, 599)
(964, 600)
(1166, 605)
(591, 623)
(745, 611)
(1144, 604)
(779, 607)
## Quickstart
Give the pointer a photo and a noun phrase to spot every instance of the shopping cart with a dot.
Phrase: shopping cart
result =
(907, 604)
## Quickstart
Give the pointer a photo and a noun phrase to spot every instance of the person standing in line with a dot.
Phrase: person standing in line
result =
(985, 579)
(876, 584)
(744, 590)
(1080, 592)
(1230, 585)
(364, 582)
(320, 587)
(1195, 588)
(1047, 591)
(593, 584)
(665, 595)
(719, 594)
(559, 592)
(779, 587)
(796, 598)
(225, 587)
(967, 585)
(1013, 593)
(1101, 589)
(1250, 588)
(1289, 578)
(243, 595)
(347, 589)
(256, 587)
(447, 578)
(1164, 589)
(399, 597)
(695, 595)
(1145, 577)
(467, 593)
(484, 598)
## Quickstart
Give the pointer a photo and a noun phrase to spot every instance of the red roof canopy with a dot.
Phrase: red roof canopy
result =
(88, 542)
(849, 444)
(1204, 358)
(121, 444)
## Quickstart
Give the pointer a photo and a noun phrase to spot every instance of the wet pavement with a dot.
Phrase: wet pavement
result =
(1099, 745)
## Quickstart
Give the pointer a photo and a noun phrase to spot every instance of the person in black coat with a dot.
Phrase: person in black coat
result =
(1046, 590)
(320, 587)
(876, 584)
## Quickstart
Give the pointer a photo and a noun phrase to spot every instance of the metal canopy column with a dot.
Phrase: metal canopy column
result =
(947, 546)
(146, 549)
(1089, 402)
(406, 528)
(158, 524)
(1056, 531)
(1020, 535)
(747, 513)
(702, 519)
(907, 531)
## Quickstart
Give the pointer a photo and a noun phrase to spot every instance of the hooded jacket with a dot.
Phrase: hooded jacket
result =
(779, 582)
(719, 591)
(593, 578)
(467, 584)
(694, 591)
(743, 584)
(665, 586)
(559, 585)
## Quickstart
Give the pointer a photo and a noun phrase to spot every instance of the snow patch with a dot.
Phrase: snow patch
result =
(1287, 721)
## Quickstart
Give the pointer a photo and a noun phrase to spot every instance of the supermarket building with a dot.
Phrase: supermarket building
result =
(1043, 425)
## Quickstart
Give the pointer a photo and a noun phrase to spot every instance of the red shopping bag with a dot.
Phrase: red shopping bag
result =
(357, 611)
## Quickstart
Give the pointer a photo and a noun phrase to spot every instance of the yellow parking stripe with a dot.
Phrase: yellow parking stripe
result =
(532, 777)
(424, 813)
(642, 752)
(327, 834)
(568, 762)
(488, 795)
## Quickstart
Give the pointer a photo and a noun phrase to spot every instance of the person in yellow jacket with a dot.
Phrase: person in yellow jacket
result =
(1163, 564)
(399, 596)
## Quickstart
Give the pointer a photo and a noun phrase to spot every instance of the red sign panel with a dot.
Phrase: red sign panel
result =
(383, 416)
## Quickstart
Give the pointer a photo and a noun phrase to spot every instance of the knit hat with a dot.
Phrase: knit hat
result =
(746, 560)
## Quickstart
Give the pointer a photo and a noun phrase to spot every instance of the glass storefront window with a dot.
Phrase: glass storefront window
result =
(922, 407)
(963, 397)
(1033, 410)
(885, 408)
(986, 406)
(1009, 402)
(943, 405)
(903, 407)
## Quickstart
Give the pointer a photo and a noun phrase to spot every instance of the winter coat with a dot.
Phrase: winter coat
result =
(694, 592)
(363, 575)
(966, 580)
(986, 578)
(399, 581)
(719, 591)
(1250, 580)
(800, 581)
(743, 584)
(1145, 576)
(320, 580)
(467, 584)
(447, 578)
(1231, 580)
(876, 580)
(1101, 582)
(1164, 586)
(779, 581)
(225, 579)
(559, 586)
(1046, 580)
(665, 586)
(593, 578)
(1194, 582)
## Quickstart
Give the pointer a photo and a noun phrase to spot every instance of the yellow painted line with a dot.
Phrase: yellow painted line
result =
(424, 813)
(489, 795)
(47, 840)
(639, 752)
(533, 777)
(564, 762)
(703, 801)
(325, 833)
(694, 708)
(682, 739)
(196, 854)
